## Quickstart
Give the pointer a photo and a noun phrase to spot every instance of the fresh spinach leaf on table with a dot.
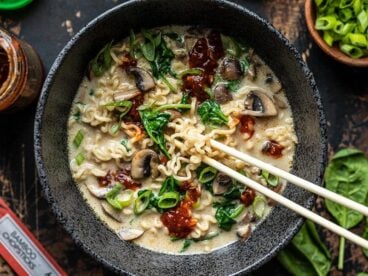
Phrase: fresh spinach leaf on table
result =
(306, 255)
(347, 175)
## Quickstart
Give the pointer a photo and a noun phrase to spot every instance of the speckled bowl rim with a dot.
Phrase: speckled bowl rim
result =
(44, 96)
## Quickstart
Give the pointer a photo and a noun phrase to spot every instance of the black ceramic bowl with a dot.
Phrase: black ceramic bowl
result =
(51, 137)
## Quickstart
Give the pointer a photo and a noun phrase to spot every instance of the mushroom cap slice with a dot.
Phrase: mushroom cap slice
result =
(128, 234)
(222, 94)
(95, 189)
(144, 164)
(110, 211)
(126, 95)
(143, 79)
(221, 184)
(259, 104)
(231, 69)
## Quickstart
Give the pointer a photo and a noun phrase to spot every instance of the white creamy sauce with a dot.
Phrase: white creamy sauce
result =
(103, 152)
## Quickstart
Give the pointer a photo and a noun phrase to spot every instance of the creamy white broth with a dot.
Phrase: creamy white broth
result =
(103, 151)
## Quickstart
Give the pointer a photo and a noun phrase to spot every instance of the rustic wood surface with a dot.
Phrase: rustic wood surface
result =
(48, 25)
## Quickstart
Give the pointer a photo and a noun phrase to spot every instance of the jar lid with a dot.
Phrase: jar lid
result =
(13, 4)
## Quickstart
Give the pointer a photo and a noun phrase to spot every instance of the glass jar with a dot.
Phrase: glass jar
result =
(21, 73)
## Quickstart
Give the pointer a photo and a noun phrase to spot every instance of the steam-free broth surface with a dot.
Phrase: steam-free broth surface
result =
(140, 126)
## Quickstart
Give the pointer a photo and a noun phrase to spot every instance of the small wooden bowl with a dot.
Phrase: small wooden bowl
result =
(334, 52)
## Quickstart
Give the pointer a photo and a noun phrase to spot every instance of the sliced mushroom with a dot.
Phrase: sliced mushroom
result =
(128, 234)
(259, 104)
(144, 164)
(274, 85)
(280, 103)
(221, 184)
(189, 42)
(222, 94)
(95, 189)
(231, 69)
(143, 79)
(109, 210)
(126, 95)
(252, 72)
(244, 231)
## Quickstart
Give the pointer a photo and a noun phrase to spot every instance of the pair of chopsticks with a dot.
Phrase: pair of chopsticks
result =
(309, 186)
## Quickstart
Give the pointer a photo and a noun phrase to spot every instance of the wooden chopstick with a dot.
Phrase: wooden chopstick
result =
(287, 202)
(300, 182)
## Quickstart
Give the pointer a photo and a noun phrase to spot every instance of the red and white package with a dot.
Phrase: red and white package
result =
(21, 250)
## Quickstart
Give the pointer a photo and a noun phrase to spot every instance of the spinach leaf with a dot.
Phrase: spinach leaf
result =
(226, 214)
(233, 193)
(186, 245)
(211, 113)
(156, 51)
(347, 175)
(295, 263)
(102, 62)
(306, 255)
(155, 123)
(231, 47)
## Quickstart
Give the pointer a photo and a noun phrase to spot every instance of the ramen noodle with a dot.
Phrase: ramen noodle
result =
(140, 126)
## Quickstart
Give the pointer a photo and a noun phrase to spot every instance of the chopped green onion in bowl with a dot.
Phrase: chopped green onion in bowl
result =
(345, 24)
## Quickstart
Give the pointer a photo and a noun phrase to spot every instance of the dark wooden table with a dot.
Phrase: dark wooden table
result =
(49, 24)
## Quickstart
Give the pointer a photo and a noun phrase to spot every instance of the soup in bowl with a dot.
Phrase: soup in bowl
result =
(240, 237)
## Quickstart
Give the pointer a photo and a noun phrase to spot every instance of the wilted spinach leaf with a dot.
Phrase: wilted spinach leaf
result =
(155, 123)
(211, 113)
(102, 62)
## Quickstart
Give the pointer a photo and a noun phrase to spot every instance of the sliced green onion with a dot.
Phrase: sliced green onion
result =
(125, 198)
(169, 185)
(363, 21)
(114, 129)
(358, 40)
(357, 6)
(192, 71)
(79, 159)
(344, 29)
(353, 51)
(78, 139)
(271, 179)
(325, 23)
(124, 142)
(168, 200)
(345, 3)
(259, 206)
(142, 201)
(207, 175)
(112, 194)
(328, 38)
(345, 14)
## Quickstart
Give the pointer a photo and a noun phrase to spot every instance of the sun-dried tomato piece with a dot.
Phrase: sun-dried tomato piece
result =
(179, 220)
(247, 125)
(272, 148)
(247, 197)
